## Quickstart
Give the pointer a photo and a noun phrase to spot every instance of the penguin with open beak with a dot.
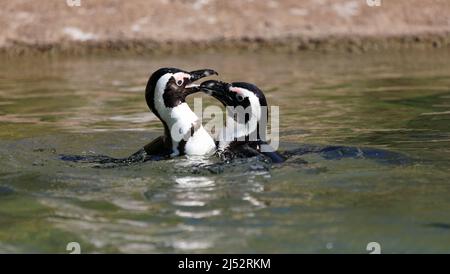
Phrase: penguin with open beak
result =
(184, 134)
(243, 135)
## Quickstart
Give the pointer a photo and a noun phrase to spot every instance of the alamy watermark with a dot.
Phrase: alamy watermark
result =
(373, 247)
(373, 3)
(73, 3)
(74, 247)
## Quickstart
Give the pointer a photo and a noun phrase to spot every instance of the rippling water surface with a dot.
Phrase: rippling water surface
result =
(398, 102)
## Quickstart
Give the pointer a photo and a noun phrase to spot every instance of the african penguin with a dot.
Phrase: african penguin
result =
(165, 95)
(242, 136)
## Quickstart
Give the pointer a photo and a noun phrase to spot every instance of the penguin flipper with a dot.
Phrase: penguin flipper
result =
(247, 150)
(154, 151)
(276, 157)
(158, 146)
(237, 150)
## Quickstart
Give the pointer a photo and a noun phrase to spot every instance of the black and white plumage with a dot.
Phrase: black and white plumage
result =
(243, 135)
(184, 134)
(165, 95)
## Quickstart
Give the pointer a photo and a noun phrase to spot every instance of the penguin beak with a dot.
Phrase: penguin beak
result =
(219, 90)
(196, 75)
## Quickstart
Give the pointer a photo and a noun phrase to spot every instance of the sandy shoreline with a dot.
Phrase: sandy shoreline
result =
(154, 26)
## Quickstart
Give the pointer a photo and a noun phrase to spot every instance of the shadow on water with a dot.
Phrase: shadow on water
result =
(439, 225)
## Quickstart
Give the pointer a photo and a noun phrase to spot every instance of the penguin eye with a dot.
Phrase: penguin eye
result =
(239, 97)
(179, 82)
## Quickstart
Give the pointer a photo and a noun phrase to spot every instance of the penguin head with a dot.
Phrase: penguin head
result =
(236, 94)
(240, 96)
(168, 87)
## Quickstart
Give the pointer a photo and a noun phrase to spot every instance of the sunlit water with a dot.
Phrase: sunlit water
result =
(399, 102)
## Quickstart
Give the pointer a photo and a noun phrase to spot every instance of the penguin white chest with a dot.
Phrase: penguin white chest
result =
(200, 143)
(181, 120)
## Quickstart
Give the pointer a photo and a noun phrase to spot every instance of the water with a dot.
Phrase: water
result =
(395, 101)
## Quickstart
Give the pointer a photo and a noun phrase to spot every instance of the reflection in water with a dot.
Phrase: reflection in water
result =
(337, 197)
(191, 193)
